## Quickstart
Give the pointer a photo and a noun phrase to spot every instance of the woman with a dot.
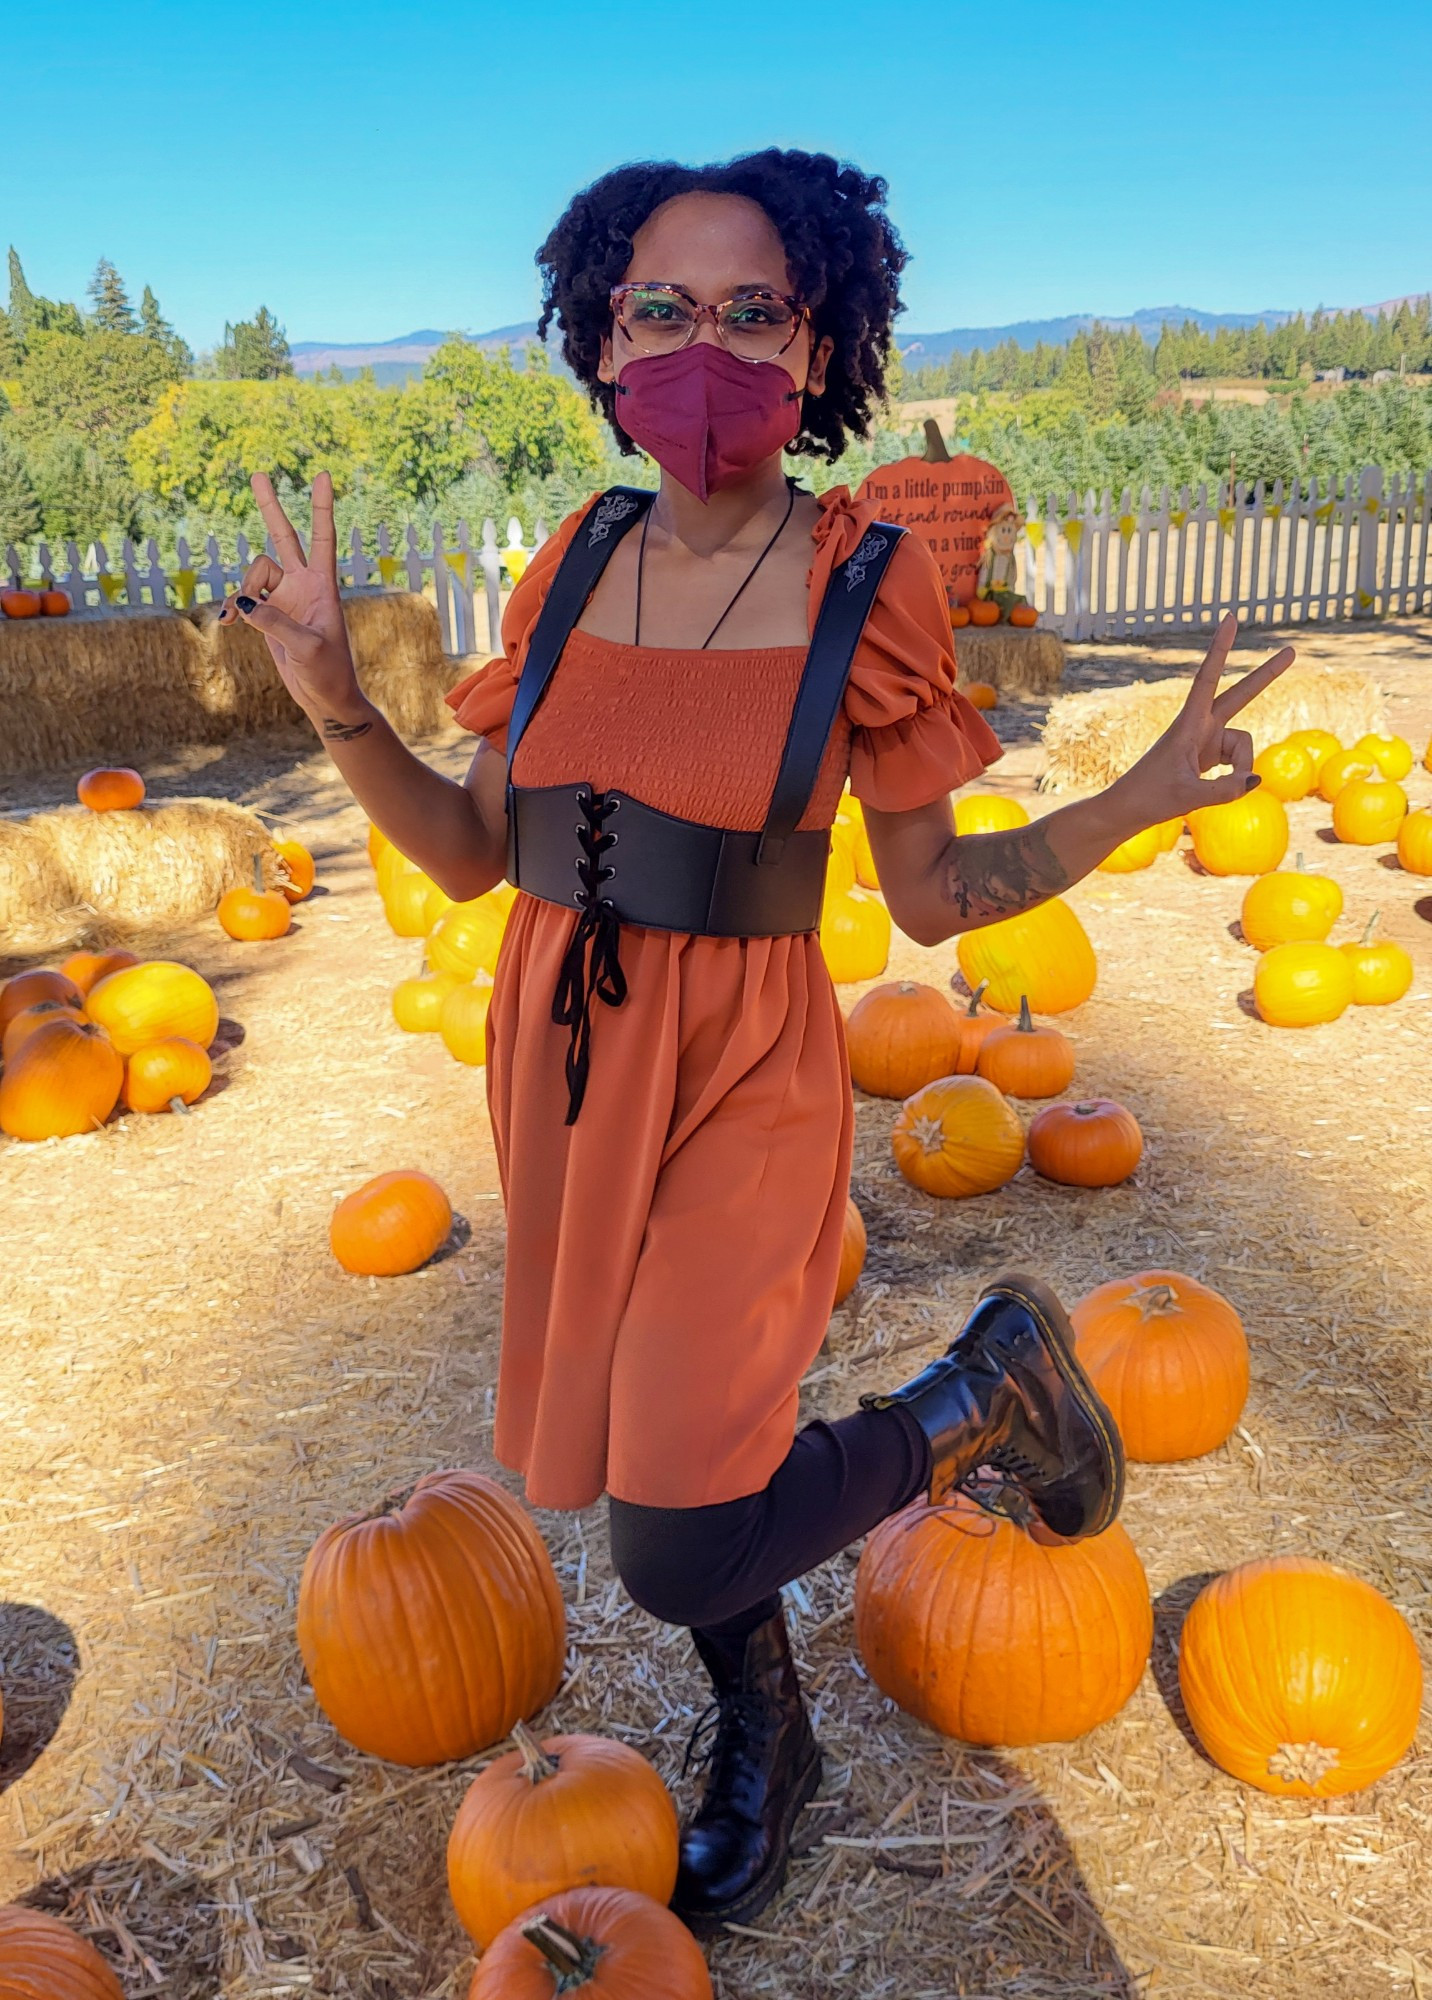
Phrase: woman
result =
(666, 1068)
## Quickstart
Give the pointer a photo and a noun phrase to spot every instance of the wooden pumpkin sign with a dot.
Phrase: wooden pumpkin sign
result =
(948, 503)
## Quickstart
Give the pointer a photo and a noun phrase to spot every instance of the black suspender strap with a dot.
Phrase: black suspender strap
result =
(848, 600)
(602, 527)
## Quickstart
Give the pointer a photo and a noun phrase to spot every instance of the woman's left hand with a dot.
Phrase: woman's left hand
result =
(1168, 779)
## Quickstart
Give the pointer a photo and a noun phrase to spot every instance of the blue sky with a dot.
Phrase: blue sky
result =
(364, 170)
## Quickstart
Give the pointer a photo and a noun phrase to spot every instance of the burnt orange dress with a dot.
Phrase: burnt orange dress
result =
(672, 1256)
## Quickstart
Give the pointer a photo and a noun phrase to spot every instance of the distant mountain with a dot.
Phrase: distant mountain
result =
(398, 360)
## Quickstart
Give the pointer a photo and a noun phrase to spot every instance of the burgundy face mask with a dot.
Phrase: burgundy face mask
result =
(705, 416)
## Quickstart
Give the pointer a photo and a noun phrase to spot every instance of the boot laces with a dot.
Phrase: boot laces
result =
(1001, 1485)
(726, 1727)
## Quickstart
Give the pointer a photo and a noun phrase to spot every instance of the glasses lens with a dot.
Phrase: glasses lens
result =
(656, 320)
(757, 327)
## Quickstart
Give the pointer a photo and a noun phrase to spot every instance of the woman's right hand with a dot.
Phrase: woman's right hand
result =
(294, 602)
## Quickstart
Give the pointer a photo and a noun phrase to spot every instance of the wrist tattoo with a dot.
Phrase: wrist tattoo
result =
(343, 732)
(993, 875)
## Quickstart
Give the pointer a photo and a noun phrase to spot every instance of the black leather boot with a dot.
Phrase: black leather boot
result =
(764, 1764)
(1012, 1418)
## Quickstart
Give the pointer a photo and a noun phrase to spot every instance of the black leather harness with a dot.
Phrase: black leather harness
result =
(617, 860)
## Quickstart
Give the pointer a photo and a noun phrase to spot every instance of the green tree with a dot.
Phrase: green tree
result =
(1076, 378)
(513, 422)
(154, 326)
(23, 303)
(11, 352)
(205, 438)
(111, 309)
(99, 385)
(1104, 399)
(256, 350)
(83, 495)
(19, 507)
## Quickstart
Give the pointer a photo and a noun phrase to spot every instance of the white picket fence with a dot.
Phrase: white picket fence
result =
(1356, 547)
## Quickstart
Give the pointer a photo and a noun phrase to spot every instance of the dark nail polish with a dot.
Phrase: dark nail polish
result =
(246, 603)
(1252, 782)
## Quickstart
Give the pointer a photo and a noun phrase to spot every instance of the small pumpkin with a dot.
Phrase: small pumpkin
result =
(1024, 616)
(840, 862)
(1299, 1678)
(462, 1020)
(408, 904)
(852, 1252)
(866, 873)
(1247, 836)
(391, 1225)
(433, 1624)
(958, 1137)
(298, 867)
(1043, 954)
(38, 1015)
(1381, 973)
(55, 604)
(987, 812)
(990, 1636)
(43, 1959)
(377, 841)
(855, 936)
(257, 914)
(569, 1812)
(87, 968)
(106, 790)
(1302, 985)
(983, 611)
(1289, 906)
(1170, 832)
(468, 938)
(1140, 850)
(418, 1002)
(1320, 744)
(1391, 754)
(1093, 1144)
(1414, 843)
(64, 1080)
(18, 603)
(975, 1025)
(899, 1037)
(1287, 770)
(980, 694)
(166, 1076)
(959, 617)
(599, 1944)
(1025, 1061)
(151, 1001)
(1339, 770)
(1368, 811)
(1170, 1359)
(390, 864)
(28, 988)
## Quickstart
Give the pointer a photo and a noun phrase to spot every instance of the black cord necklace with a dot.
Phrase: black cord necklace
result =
(641, 559)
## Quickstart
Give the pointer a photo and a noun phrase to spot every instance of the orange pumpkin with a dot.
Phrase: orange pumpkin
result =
(852, 1252)
(1340, 769)
(854, 936)
(462, 1020)
(1299, 1678)
(1024, 616)
(1170, 1359)
(1392, 755)
(255, 915)
(1094, 1144)
(983, 611)
(1381, 973)
(975, 1027)
(958, 1137)
(43, 1959)
(106, 790)
(569, 1812)
(987, 812)
(87, 968)
(54, 604)
(42, 983)
(1289, 906)
(30, 1018)
(1140, 850)
(20, 603)
(900, 1036)
(391, 1225)
(151, 1001)
(980, 694)
(1320, 744)
(418, 1002)
(1025, 1061)
(599, 1944)
(1414, 843)
(63, 1081)
(432, 1625)
(166, 1076)
(1247, 836)
(1368, 811)
(1302, 985)
(298, 866)
(1043, 954)
(1287, 770)
(993, 1637)
(959, 617)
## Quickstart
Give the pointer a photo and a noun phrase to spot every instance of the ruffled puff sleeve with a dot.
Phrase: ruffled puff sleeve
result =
(915, 738)
(482, 702)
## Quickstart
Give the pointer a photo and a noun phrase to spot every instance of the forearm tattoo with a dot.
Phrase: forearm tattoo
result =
(993, 875)
(344, 732)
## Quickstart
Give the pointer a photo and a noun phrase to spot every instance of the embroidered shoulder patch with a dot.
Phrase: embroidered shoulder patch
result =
(614, 509)
(872, 546)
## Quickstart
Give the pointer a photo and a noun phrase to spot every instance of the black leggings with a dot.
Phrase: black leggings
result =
(721, 1567)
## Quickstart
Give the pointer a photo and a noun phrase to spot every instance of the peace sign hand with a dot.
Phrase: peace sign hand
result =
(1168, 779)
(294, 602)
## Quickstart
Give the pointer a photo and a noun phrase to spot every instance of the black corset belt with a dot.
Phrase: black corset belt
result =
(618, 861)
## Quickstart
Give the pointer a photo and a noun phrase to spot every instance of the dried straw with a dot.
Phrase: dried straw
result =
(1014, 660)
(1091, 739)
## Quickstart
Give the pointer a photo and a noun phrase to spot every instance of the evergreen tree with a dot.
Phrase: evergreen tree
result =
(19, 506)
(1105, 398)
(1165, 359)
(256, 350)
(1135, 384)
(154, 326)
(11, 352)
(112, 311)
(1076, 377)
(23, 303)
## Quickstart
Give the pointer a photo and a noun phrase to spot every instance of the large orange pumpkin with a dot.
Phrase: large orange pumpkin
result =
(570, 1812)
(1025, 1061)
(599, 1944)
(64, 1080)
(111, 790)
(391, 1225)
(1094, 1144)
(958, 1137)
(983, 611)
(166, 1076)
(16, 603)
(1170, 1358)
(1043, 955)
(27, 989)
(43, 1959)
(1302, 985)
(993, 1637)
(255, 915)
(151, 1001)
(432, 1625)
(1414, 842)
(987, 812)
(1289, 906)
(55, 604)
(1247, 836)
(30, 1018)
(901, 1036)
(852, 1252)
(1299, 1678)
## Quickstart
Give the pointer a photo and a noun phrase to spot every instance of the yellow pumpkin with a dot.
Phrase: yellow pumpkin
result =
(462, 1021)
(1368, 811)
(1288, 907)
(1287, 770)
(418, 1002)
(467, 938)
(1320, 744)
(1391, 754)
(1140, 850)
(958, 1136)
(406, 904)
(1247, 836)
(152, 1002)
(1170, 832)
(855, 936)
(988, 812)
(1340, 769)
(1414, 843)
(840, 864)
(1302, 985)
(1381, 973)
(1043, 955)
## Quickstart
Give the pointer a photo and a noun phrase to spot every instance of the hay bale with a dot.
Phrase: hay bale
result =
(112, 685)
(1014, 660)
(1091, 739)
(73, 877)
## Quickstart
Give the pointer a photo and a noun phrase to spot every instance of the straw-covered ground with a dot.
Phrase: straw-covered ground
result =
(193, 1390)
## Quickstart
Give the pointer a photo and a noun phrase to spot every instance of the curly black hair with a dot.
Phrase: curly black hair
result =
(842, 248)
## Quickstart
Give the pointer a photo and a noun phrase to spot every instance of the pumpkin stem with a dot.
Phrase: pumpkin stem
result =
(937, 452)
(1154, 1299)
(258, 874)
(573, 1958)
(906, 986)
(1024, 1025)
(1298, 863)
(178, 1104)
(536, 1764)
(1371, 927)
(975, 999)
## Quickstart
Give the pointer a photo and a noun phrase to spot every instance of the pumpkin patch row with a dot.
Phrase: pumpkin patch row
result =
(451, 991)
